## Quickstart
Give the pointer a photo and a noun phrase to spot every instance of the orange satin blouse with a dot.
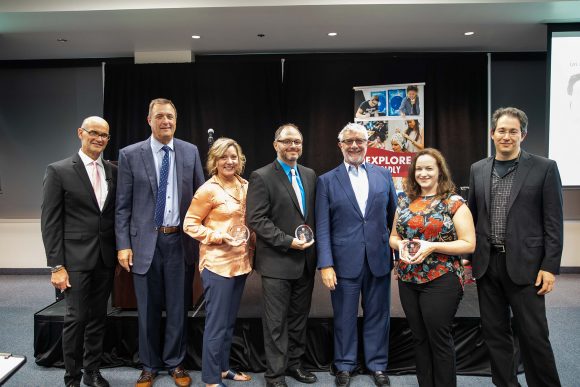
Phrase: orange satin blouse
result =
(212, 212)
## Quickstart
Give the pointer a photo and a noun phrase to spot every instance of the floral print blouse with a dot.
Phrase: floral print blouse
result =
(429, 218)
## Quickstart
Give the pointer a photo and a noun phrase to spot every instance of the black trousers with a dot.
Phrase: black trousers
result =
(286, 304)
(84, 320)
(497, 294)
(430, 308)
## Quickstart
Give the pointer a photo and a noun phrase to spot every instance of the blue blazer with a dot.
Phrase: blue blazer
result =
(343, 235)
(137, 195)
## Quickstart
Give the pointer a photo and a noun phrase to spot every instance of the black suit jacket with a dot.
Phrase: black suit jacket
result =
(534, 229)
(74, 230)
(273, 213)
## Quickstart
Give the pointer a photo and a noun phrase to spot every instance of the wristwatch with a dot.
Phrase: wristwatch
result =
(56, 268)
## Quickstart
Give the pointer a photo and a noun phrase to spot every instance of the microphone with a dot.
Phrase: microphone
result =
(210, 133)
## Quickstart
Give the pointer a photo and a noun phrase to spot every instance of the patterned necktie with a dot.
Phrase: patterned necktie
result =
(162, 189)
(297, 189)
(97, 183)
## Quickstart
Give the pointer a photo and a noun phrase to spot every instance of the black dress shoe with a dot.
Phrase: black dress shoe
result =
(381, 379)
(302, 376)
(276, 384)
(95, 379)
(342, 379)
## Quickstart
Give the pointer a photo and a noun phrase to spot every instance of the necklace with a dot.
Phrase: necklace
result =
(427, 197)
(232, 190)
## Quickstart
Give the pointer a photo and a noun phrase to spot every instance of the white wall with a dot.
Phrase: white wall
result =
(21, 244)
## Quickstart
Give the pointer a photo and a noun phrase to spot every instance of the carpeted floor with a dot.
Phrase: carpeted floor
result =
(21, 296)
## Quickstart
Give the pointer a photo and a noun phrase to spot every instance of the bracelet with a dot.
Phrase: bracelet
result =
(56, 269)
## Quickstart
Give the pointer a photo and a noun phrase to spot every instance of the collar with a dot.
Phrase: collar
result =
(156, 145)
(87, 160)
(348, 166)
(287, 168)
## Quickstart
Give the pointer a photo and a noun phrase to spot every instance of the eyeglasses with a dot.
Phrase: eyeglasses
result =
(511, 132)
(95, 134)
(351, 141)
(290, 142)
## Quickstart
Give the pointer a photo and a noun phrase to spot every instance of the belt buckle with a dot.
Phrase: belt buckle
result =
(500, 248)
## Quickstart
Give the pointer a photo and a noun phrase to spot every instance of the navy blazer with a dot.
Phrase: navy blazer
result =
(137, 195)
(535, 221)
(343, 235)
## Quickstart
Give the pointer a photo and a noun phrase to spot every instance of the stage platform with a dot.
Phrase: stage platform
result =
(121, 341)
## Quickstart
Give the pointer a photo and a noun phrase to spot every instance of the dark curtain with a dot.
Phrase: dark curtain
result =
(244, 97)
(128, 90)
(318, 97)
(235, 97)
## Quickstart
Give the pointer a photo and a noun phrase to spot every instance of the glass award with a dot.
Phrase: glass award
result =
(304, 233)
(413, 247)
(239, 232)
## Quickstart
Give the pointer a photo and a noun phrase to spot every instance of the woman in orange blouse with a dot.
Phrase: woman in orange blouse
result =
(433, 227)
(224, 261)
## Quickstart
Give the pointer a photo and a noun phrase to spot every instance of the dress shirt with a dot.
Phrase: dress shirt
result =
(212, 212)
(360, 184)
(287, 169)
(89, 166)
(501, 187)
(171, 217)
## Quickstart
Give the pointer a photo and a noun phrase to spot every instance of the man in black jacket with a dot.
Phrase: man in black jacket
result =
(77, 222)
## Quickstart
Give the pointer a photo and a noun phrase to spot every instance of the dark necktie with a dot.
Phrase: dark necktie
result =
(162, 189)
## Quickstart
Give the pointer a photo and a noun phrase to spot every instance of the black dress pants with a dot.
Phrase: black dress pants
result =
(286, 304)
(84, 319)
(497, 294)
(430, 308)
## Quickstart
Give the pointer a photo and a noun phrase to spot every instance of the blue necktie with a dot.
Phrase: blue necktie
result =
(162, 189)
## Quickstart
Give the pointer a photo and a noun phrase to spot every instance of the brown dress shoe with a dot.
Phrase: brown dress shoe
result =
(145, 379)
(180, 377)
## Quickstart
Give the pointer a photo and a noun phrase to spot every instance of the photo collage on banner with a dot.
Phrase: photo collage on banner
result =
(394, 118)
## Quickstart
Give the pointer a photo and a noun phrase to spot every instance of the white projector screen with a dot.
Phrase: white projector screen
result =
(564, 125)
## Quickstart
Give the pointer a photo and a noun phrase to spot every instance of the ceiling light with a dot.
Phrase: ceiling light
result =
(332, 33)
(195, 37)
(469, 33)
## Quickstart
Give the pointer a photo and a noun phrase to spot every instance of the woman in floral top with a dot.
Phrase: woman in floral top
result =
(433, 228)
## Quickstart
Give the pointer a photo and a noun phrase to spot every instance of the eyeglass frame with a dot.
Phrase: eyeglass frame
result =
(289, 142)
(95, 134)
(358, 141)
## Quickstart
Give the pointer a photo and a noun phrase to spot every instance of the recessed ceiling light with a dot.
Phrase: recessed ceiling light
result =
(469, 33)
(62, 40)
(195, 37)
(332, 33)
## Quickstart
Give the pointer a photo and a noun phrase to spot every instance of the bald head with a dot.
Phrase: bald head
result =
(95, 120)
(94, 136)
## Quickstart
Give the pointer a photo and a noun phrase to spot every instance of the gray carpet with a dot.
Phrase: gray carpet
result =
(22, 296)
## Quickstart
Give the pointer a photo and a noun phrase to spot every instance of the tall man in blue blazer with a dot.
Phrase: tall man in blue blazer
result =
(77, 223)
(157, 180)
(355, 207)
(516, 201)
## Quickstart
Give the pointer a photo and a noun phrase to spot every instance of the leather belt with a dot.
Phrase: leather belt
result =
(167, 230)
(498, 248)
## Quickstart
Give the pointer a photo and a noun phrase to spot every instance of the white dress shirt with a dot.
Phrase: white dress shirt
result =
(171, 217)
(360, 184)
(90, 167)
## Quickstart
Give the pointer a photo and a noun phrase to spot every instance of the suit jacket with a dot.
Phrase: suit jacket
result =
(75, 232)
(534, 228)
(273, 213)
(344, 236)
(137, 195)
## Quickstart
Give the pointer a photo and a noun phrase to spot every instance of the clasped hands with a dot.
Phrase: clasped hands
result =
(415, 251)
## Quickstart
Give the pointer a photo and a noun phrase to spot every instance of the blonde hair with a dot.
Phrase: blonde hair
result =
(218, 149)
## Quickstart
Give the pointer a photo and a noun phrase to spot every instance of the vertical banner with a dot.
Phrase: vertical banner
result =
(394, 118)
